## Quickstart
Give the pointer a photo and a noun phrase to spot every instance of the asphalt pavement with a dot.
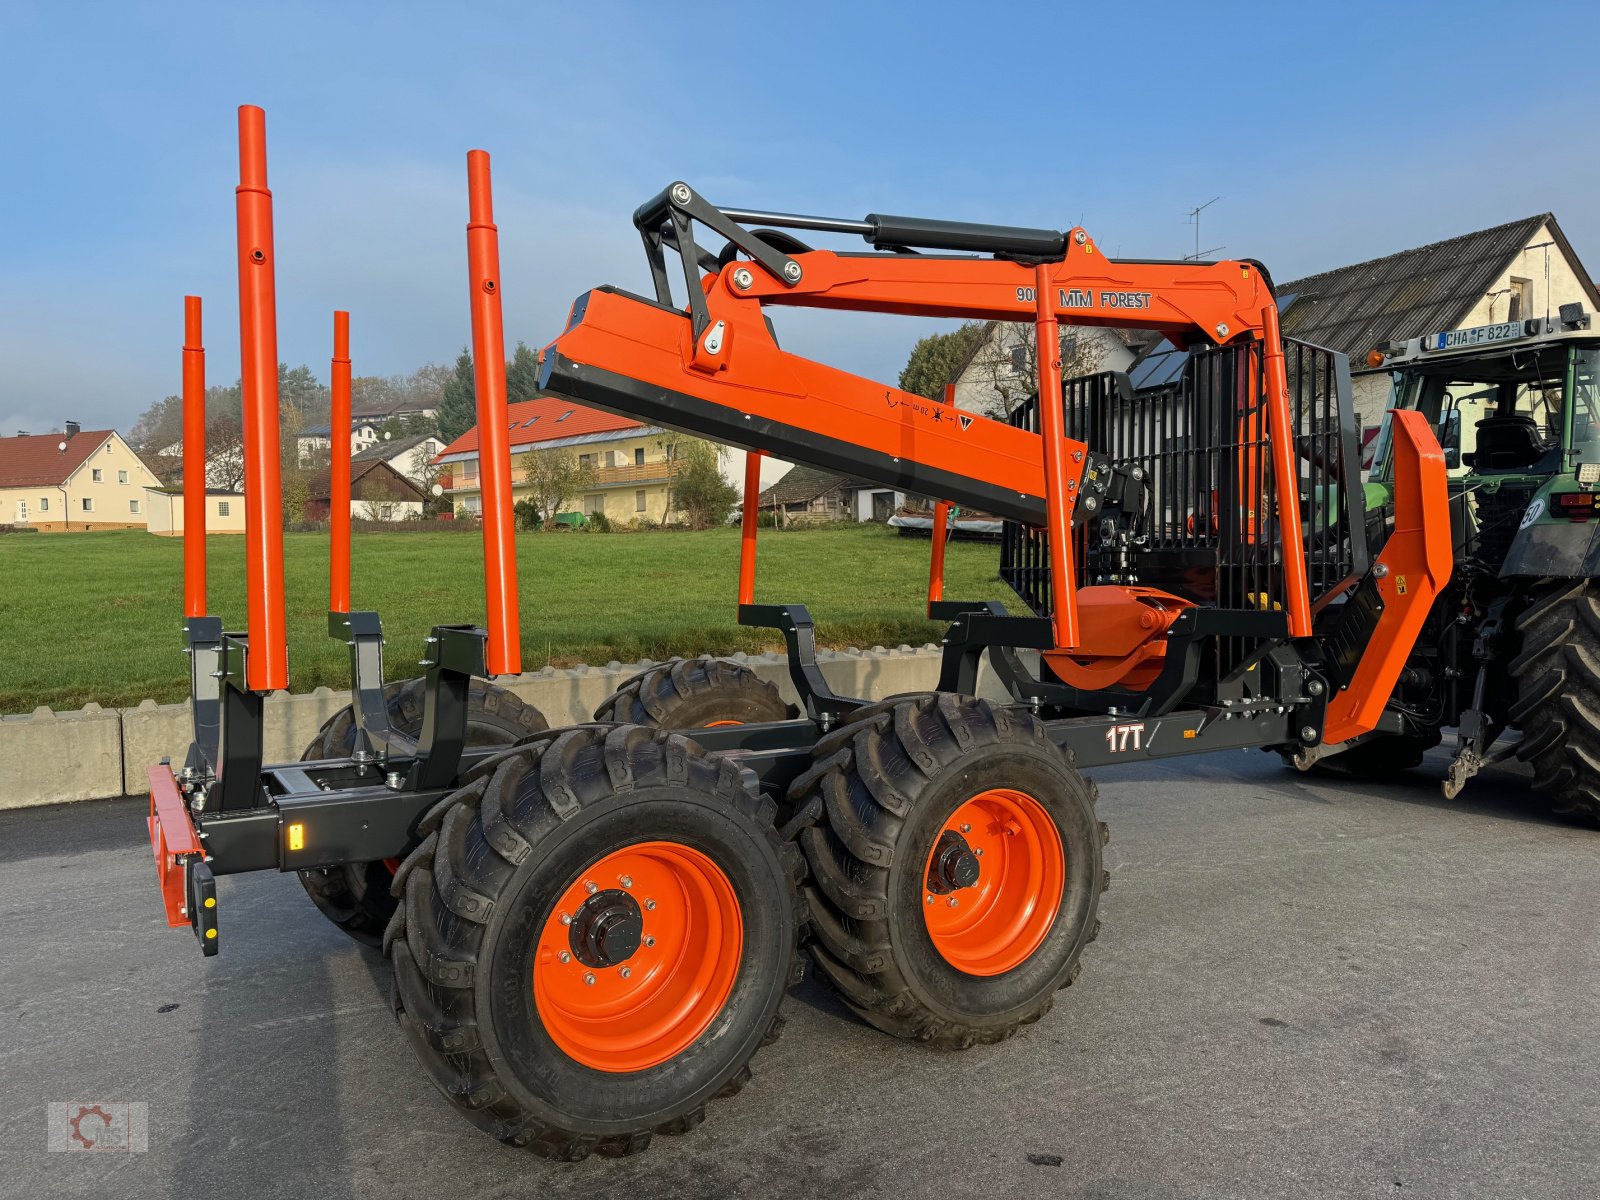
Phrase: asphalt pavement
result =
(1304, 987)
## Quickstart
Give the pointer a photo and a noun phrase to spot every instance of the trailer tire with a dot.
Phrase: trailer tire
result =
(695, 693)
(355, 896)
(1557, 706)
(889, 787)
(613, 818)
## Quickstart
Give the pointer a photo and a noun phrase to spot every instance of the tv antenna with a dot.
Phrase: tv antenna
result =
(1194, 219)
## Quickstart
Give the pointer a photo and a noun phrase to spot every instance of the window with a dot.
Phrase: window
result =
(96, 474)
(638, 501)
(588, 460)
(1517, 306)
(593, 504)
(385, 512)
(1019, 359)
(122, 477)
(222, 508)
(528, 424)
(133, 506)
(44, 503)
(638, 456)
(88, 503)
(564, 415)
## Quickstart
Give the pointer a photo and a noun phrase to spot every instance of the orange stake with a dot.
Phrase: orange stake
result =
(339, 469)
(194, 461)
(747, 527)
(1059, 500)
(941, 526)
(258, 347)
(504, 652)
(1286, 475)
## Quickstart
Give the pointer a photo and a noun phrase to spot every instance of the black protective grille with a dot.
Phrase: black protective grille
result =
(1209, 530)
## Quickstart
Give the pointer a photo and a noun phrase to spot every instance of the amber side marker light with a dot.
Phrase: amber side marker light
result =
(297, 836)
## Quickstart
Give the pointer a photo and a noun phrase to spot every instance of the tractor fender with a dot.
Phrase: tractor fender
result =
(1550, 546)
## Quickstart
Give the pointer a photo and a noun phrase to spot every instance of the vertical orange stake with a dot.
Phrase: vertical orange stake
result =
(504, 652)
(258, 348)
(194, 461)
(747, 527)
(941, 527)
(339, 469)
(1059, 500)
(1286, 476)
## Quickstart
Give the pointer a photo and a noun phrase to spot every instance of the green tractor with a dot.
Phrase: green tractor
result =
(1513, 644)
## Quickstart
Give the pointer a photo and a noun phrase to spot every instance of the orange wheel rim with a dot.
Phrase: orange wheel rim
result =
(638, 956)
(996, 922)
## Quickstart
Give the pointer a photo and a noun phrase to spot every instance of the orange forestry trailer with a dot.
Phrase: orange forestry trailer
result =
(592, 928)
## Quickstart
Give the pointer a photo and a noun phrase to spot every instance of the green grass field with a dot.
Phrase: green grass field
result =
(98, 616)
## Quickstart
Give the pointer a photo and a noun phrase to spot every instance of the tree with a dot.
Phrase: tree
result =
(458, 405)
(522, 374)
(1006, 366)
(554, 477)
(697, 488)
(938, 358)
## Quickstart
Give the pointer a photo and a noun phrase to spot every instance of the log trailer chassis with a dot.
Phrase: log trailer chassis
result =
(1171, 615)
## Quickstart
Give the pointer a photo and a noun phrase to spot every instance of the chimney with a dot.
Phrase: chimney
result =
(72, 429)
(22, 433)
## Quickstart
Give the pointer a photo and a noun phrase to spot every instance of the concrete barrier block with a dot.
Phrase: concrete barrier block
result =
(292, 721)
(151, 732)
(568, 697)
(49, 757)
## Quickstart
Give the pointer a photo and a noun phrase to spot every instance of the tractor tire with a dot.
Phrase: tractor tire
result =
(355, 896)
(1557, 706)
(695, 693)
(594, 939)
(926, 804)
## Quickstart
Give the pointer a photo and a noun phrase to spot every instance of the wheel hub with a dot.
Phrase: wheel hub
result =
(953, 865)
(606, 929)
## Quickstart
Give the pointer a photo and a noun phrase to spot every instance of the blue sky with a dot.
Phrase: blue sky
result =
(1332, 132)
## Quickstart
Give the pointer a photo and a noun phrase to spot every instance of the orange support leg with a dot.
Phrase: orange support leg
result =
(268, 668)
(1286, 477)
(1059, 498)
(194, 461)
(747, 526)
(339, 469)
(504, 652)
(941, 531)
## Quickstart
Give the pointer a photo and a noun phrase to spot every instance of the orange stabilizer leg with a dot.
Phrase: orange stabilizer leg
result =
(1411, 570)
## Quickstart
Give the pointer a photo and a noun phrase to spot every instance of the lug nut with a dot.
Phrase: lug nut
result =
(649, 941)
(625, 880)
(566, 918)
(966, 829)
(930, 899)
(650, 904)
(953, 902)
(590, 886)
(565, 956)
(588, 979)
(626, 972)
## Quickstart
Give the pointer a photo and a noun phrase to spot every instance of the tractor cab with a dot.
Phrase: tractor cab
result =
(1513, 399)
(1516, 409)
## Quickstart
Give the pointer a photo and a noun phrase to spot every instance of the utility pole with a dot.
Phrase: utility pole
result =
(1194, 219)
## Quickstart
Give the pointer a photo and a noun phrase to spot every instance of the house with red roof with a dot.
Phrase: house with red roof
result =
(632, 462)
(74, 481)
